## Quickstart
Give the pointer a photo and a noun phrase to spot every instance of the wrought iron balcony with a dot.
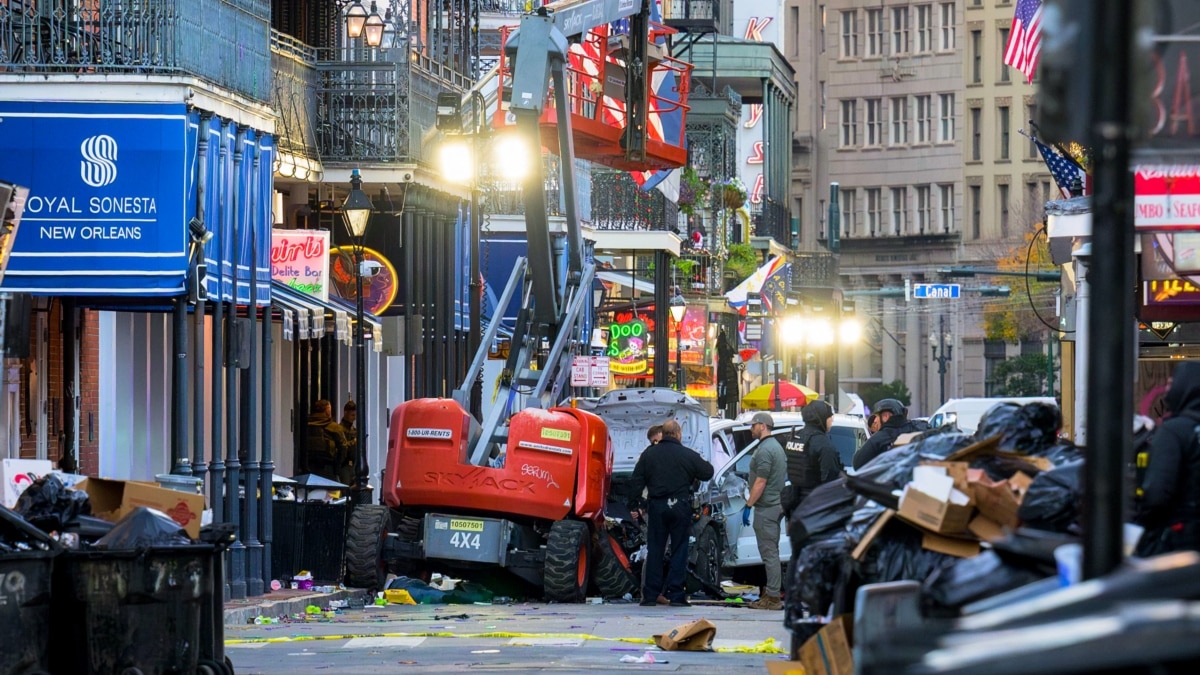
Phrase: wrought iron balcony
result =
(225, 43)
(814, 268)
(619, 204)
(376, 105)
(699, 16)
(499, 197)
(771, 220)
(293, 97)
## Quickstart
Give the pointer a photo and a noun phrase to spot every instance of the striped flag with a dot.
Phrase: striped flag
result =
(1025, 38)
(1067, 174)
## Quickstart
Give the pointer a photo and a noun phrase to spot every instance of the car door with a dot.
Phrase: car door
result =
(732, 483)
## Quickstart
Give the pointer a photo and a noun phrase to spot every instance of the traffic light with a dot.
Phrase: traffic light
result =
(994, 291)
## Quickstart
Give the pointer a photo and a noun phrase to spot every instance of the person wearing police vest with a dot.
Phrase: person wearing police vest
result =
(812, 458)
(893, 422)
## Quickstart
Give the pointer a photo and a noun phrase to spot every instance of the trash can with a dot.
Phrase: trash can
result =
(189, 484)
(309, 536)
(133, 611)
(25, 582)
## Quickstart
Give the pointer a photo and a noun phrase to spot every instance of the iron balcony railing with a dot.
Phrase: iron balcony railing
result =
(699, 16)
(376, 105)
(500, 197)
(772, 221)
(619, 204)
(225, 42)
(814, 268)
(294, 98)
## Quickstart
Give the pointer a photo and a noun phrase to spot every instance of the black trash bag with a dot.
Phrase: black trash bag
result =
(896, 555)
(142, 528)
(1062, 452)
(16, 534)
(815, 575)
(895, 467)
(879, 493)
(827, 507)
(1031, 548)
(1003, 467)
(1052, 501)
(973, 579)
(1025, 429)
(49, 505)
(421, 592)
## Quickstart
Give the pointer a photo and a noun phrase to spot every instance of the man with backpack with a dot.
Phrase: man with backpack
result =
(812, 458)
(327, 449)
(1169, 505)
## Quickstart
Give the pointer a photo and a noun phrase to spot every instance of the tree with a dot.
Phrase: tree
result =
(874, 393)
(1013, 319)
(1023, 375)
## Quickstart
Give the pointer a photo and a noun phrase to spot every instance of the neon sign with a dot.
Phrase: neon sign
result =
(628, 346)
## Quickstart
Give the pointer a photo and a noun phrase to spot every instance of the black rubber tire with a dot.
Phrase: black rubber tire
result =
(611, 574)
(568, 561)
(365, 566)
(705, 573)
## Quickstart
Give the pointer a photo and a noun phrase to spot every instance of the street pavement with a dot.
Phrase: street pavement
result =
(520, 638)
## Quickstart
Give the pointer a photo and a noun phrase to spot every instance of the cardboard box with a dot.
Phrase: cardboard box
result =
(932, 502)
(828, 652)
(958, 471)
(112, 500)
(997, 501)
(960, 548)
(1020, 483)
(694, 636)
(985, 528)
(785, 668)
(18, 474)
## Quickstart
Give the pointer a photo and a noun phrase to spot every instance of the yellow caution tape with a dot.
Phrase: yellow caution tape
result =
(767, 646)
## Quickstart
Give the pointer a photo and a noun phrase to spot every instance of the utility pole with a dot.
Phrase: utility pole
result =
(941, 337)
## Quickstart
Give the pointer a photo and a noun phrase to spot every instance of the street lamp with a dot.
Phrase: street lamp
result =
(373, 27)
(356, 18)
(678, 311)
(357, 211)
(943, 358)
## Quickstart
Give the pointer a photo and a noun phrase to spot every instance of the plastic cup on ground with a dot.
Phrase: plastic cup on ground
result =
(1069, 558)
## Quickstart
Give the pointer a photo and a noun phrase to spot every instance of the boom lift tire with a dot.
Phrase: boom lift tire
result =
(365, 566)
(568, 561)
(612, 575)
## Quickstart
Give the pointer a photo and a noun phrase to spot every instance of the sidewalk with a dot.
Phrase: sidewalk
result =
(283, 602)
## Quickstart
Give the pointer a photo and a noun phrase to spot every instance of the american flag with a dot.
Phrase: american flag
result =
(1025, 38)
(1067, 174)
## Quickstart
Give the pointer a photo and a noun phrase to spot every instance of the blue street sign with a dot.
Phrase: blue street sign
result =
(927, 291)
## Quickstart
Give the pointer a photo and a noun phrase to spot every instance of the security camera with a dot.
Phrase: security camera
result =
(370, 268)
(406, 177)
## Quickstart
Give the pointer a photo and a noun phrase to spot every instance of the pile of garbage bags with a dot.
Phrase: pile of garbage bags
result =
(844, 534)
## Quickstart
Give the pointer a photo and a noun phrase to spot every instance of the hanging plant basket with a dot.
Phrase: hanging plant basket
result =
(732, 196)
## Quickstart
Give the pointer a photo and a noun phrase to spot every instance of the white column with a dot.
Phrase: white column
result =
(891, 350)
(913, 347)
(1083, 295)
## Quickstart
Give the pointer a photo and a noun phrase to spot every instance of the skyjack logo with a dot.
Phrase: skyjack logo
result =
(99, 165)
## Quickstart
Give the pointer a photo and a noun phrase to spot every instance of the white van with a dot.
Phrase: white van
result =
(965, 413)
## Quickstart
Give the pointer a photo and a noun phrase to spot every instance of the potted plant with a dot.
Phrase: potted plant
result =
(732, 192)
(742, 261)
(693, 191)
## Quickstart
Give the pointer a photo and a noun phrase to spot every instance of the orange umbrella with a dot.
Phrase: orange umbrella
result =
(790, 395)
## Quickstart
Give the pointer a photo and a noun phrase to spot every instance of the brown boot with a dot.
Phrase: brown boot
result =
(767, 602)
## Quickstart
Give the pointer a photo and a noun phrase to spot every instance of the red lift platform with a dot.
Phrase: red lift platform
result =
(595, 80)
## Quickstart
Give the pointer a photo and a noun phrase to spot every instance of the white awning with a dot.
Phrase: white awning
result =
(625, 280)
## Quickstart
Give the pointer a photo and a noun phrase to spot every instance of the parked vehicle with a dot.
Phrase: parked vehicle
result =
(965, 413)
(729, 488)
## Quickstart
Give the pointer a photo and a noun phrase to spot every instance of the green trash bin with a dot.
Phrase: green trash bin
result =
(133, 612)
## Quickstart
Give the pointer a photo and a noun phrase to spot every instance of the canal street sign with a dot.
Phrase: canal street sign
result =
(928, 291)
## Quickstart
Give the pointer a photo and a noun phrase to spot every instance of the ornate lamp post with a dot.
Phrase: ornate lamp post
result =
(947, 349)
(357, 211)
(678, 311)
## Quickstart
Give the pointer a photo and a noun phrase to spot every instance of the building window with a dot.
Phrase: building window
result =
(849, 37)
(899, 212)
(874, 122)
(976, 57)
(1004, 76)
(924, 209)
(899, 121)
(1046, 196)
(946, 201)
(1033, 193)
(821, 35)
(1031, 151)
(874, 210)
(850, 123)
(976, 210)
(1002, 197)
(947, 15)
(849, 211)
(946, 133)
(976, 135)
(1004, 124)
(900, 43)
(924, 118)
(821, 87)
(924, 28)
(874, 32)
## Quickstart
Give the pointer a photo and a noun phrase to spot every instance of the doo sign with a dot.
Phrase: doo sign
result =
(1166, 197)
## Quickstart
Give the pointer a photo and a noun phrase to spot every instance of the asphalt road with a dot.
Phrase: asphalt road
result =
(519, 638)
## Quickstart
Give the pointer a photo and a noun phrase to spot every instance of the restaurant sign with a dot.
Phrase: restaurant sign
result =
(300, 259)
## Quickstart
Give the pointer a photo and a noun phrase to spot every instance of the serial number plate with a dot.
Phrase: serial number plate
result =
(466, 525)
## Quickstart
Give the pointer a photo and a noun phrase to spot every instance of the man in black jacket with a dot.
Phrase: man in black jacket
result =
(893, 423)
(667, 470)
(1169, 508)
(812, 458)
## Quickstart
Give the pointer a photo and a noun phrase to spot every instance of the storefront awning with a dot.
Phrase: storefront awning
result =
(625, 281)
(305, 316)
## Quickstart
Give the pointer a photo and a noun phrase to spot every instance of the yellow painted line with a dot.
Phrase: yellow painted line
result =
(767, 646)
